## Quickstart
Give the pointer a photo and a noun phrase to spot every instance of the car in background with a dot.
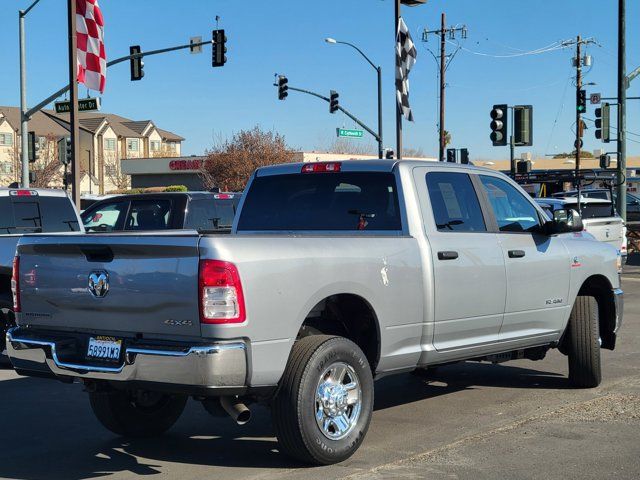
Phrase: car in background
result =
(633, 201)
(201, 211)
(599, 218)
(24, 211)
(87, 200)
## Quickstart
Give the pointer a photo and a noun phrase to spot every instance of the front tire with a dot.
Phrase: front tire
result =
(137, 413)
(584, 344)
(323, 408)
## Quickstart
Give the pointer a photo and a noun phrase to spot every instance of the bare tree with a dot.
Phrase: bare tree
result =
(113, 172)
(230, 163)
(348, 147)
(47, 168)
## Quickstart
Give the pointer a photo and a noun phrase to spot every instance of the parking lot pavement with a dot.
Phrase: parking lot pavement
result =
(470, 420)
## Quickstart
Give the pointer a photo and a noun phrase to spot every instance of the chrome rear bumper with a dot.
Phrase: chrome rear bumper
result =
(219, 365)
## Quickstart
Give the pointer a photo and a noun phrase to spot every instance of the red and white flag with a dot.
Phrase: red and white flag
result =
(92, 59)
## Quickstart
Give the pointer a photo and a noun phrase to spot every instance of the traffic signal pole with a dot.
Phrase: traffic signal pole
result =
(622, 113)
(73, 99)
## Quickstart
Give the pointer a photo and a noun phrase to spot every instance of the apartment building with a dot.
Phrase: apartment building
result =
(105, 140)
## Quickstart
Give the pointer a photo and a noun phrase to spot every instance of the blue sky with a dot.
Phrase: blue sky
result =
(182, 93)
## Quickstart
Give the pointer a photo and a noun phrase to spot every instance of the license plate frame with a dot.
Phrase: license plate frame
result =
(102, 348)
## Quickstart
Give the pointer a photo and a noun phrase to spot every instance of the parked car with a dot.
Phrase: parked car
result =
(162, 211)
(633, 201)
(599, 218)
(24, 211)
(335, 274)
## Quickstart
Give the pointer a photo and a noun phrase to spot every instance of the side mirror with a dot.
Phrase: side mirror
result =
(564, 221)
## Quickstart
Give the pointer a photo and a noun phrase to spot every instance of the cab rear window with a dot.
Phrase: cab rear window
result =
(593, 210)
(336, 201)
(34, 214)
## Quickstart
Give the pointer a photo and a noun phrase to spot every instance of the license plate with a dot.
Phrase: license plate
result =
(105, 348)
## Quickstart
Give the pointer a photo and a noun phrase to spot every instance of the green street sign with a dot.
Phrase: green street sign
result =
(84, 105)
(343, 132)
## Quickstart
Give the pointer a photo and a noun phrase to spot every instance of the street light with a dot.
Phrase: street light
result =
(378, 69)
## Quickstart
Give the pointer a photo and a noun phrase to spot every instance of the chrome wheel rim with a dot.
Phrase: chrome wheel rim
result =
(338, 401)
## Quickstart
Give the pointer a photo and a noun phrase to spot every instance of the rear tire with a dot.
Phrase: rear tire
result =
(137, 413)
(584, 344)
(323, 408)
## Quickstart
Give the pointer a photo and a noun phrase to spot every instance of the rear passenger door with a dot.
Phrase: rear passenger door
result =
(468, 266)
(537, 265)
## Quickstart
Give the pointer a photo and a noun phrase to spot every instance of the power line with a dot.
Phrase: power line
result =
(549, 48)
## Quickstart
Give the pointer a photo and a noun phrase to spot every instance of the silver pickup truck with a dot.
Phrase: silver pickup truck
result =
(335, 274)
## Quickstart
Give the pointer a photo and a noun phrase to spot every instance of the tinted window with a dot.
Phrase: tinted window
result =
(149, 215)
(37, 214)
(513, 211)
(454, 202)
(58, 215)
(347, 201)
(211, 214)
(105, 217)
(592, 210)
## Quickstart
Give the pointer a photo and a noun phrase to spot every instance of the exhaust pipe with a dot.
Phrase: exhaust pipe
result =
(237, 410)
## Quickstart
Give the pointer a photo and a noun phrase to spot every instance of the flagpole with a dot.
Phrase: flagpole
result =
(73, 97)
(398, 110)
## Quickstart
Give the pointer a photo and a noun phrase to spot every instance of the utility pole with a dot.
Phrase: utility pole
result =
(578, 112)
(622, 113)
(443, 69)
(73, 98)
(24, 119)
(443, 65)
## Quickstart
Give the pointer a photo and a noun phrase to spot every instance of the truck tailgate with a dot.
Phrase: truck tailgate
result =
(152, 283)
(607, 230)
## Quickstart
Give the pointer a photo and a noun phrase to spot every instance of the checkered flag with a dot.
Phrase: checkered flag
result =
(406, 54)
(92, 59)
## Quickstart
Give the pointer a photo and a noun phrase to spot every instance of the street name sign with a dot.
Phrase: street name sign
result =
(343, 132)
(84, 105)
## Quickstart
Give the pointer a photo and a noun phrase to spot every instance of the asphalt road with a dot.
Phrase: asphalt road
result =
(470, 420)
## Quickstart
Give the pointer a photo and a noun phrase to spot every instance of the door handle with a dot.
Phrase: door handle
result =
(450, 255)
(516, 253)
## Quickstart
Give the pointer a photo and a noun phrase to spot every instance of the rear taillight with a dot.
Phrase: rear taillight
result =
(15, 284)
(321, 167)
(221, 298)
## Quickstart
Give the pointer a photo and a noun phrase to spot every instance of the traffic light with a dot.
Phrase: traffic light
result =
(283, 87)
(334, 104)
(136, 64)
(451, 155)
(219, 48)
(581, 101)
(603, 125)
(34, 147)
(464, 156)
(523, 125)
(64, 150)
(523, 166)
(499, 125)
(605, 161)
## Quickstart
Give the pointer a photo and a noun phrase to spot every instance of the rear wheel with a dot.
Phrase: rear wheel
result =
(323, 408)
(584, 344)
(137, 413)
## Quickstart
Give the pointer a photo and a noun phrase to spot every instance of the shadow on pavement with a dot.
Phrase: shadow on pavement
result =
(53, 433)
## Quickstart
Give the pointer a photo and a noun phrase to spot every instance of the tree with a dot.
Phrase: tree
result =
(113, 172)
(47, 168)
(348, 147)
(230, 163)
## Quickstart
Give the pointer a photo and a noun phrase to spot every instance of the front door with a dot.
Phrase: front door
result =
(537, 266)
(468, 267)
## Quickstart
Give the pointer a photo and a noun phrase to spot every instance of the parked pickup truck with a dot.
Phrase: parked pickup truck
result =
(24, 211)
(162, 211)
(599, 218)
(335, 274)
